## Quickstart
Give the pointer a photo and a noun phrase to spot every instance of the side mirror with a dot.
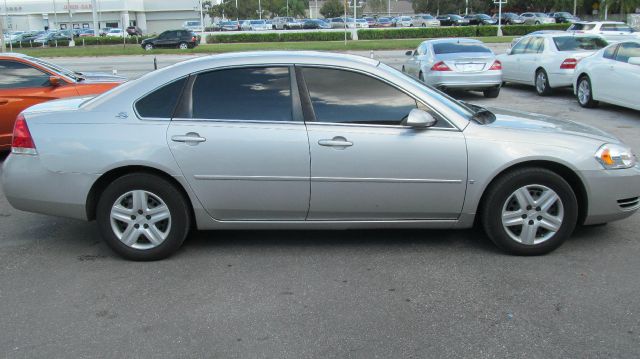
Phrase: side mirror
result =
(54, 81)
(508, 51)
(420, 119)
(409, 53)
(634, 60)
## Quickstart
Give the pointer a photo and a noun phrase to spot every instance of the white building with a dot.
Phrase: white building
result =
(152, 16)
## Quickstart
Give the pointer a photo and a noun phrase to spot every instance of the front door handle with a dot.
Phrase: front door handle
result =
(190, 137)
(3, 101)
(337, 141)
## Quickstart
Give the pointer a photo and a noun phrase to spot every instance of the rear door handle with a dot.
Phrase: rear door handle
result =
(4, 101)
(337, 141)
(190, 137)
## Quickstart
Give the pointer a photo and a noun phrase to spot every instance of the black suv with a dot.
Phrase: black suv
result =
(181, 39)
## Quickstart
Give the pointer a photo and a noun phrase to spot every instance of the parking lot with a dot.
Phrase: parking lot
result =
(299, 294)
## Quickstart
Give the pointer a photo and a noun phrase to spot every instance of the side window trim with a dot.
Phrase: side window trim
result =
(310, 112)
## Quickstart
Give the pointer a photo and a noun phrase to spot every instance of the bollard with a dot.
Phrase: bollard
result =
(155, 63)
(114, 72)
(371, 53)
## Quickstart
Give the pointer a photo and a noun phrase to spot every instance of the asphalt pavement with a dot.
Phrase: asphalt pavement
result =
(325, 294)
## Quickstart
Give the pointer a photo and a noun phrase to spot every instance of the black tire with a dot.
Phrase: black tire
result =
(180, 215)
(421, 76)
(543, 77)
(491, 93)
(504, 187)
(590, 102)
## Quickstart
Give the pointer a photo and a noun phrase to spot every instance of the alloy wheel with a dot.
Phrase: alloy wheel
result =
(140, 219)
(183, 46)
(541, 82)
(532, 214)
(584, 91)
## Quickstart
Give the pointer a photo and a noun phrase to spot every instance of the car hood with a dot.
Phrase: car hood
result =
(93, 77)
(543, 124)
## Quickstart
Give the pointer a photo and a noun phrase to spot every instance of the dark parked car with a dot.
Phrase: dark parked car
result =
(564, 17)
(510, 18)
(452, 20)
(383, 22)
(315, 24)
(181, 39)
(480, 19)
(134, 31)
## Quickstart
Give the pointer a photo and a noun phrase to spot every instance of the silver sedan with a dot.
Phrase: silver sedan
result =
(464, 64)
(309, 140)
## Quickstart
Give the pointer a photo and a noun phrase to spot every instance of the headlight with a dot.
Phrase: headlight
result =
(613, 156)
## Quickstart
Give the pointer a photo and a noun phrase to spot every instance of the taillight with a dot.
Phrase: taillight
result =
(440, 66)
(22, 142)
(497, 65)
(569, 64)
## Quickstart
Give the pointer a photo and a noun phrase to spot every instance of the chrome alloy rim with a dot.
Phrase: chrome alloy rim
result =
(140, 219)
(183, 46)
(541, 82)
(584, 91)
(532, 214)
(148, 47)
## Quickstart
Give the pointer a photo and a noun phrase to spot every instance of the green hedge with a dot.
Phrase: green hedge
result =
(518, 30)
(277, 37)
(415, 33)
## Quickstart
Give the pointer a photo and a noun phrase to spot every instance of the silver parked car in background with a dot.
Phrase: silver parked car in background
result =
(309, 140)
(537, 18)
(464, 64)
(425, 20)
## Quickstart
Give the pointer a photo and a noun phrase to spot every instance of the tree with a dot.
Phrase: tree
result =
(378, 6)
(332, 8)
(420, 6)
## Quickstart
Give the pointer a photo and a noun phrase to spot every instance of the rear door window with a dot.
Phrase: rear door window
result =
(249, 94)
(520, 46)
(161, 103)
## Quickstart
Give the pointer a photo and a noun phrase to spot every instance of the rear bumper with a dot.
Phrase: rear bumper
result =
(30, 187)
(465, 81)
(561, 78)
(613, 194)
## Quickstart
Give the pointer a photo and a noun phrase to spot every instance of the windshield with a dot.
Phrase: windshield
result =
(563, 14)
(459, 47)
(457, 106)
(539, 14)
(616, 27)
(257, 22)
(483, 16)
(577, 43)
(56, 68)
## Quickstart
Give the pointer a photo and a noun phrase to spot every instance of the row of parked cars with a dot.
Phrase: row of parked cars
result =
(597, 69)
(418, 20)
(48, 37)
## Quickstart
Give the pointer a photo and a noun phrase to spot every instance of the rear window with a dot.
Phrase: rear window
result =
(257, 22)
(616, 27)
(581, 27)
(161, 103)
(454, 47)
(573, 43)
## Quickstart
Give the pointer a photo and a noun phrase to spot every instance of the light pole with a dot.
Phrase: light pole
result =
(575, 6)
(260, 9)
(287, 8)
(55, 16)
(466, 7)
(3, 46)
(389, 9)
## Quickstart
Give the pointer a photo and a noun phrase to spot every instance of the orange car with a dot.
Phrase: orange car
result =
(26, 81)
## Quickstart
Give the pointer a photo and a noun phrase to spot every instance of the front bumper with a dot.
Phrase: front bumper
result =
(464, 81)
(612, 194)
(30, 187)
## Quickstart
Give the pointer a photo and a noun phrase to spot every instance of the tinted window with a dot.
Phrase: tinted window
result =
(252, 94)
(19, 75)
(583, 27)
(574, 43)
(625, 51)
(161, 103)
(349, 97)
(610, 52)
(457, 47)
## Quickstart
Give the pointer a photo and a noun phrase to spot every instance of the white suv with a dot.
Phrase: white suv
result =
(612, 31)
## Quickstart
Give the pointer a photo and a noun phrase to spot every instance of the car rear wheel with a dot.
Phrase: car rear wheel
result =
(542, 83)
(491, 93)
(529, 211)
(183, 46)
(584, 93)
(148, 47)
(143, 217)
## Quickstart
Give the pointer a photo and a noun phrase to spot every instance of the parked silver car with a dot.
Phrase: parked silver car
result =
(425, 20)
(309, 140)
(456, 63)
(537, 18)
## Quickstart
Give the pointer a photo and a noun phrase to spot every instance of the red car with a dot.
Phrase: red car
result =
(26, 81)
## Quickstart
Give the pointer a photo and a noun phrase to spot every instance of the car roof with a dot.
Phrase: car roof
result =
(13, 55)
(599, 22)
(451, 40)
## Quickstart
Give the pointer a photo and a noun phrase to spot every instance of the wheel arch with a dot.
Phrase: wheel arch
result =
(106, 178)
(568, 174)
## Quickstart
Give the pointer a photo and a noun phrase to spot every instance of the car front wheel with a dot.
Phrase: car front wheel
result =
(529, 211)
(143, 217)
(183, 46)
(148, 47)
(584, 93)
